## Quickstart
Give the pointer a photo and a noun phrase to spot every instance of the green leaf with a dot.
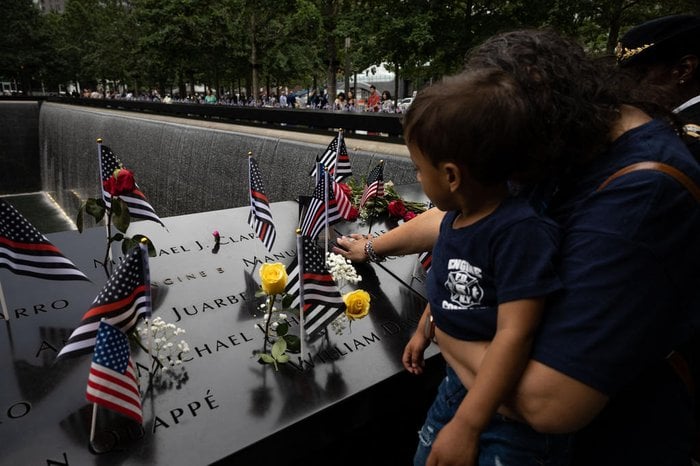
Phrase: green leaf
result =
(118, 237)
(282, 358)
(293, 343)
(260, 293)
(96, 208)
(282, 329)
(127, 244)
(121, 216)
(267, 358)
(278, 348)
(287, 301)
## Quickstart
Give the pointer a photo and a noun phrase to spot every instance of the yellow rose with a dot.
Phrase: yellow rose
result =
(356, 304)
(274, 278)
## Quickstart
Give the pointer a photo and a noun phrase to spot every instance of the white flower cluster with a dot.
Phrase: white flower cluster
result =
(163, 334)
(342, 270)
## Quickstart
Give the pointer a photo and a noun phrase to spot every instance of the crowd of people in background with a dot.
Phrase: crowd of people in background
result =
(315, 99)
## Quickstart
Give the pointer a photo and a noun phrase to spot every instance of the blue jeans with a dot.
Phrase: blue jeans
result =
(504, 442)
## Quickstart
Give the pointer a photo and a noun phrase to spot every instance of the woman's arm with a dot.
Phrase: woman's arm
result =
(553, 402)
(417, 235)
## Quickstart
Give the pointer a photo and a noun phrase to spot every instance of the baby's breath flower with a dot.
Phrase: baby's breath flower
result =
(341, 269)
(339, 324)
(168, 352)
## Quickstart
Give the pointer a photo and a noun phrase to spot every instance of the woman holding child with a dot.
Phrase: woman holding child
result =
(621, 296)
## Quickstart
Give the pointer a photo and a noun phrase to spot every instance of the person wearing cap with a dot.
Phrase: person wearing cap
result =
(663, 57)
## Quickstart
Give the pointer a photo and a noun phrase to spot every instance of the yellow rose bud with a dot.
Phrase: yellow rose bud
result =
(356, 304)
(274, 278)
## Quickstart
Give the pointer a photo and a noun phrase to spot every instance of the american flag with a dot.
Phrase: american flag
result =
(342, 200)
(335, 159)
(318, 214)
(25, 251)
(260, 216)
(322, 299)
(113, 382)
(135, 201)
(375, 184)
(123, 299)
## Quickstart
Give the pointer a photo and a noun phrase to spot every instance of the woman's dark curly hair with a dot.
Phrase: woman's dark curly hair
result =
(572, 105)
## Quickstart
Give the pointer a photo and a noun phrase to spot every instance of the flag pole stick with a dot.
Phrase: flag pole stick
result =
(147, 285)
(93, 422)
(337, 153)
(325, 216)
(99, 179)
(3, 303)
(300, 262)
(250, 196)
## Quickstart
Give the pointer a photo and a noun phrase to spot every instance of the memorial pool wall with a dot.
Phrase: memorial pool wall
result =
(182, 165)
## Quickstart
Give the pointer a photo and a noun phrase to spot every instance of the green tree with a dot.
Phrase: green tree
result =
(25, 45)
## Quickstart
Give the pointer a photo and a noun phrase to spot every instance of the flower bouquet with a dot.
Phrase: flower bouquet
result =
(391, 203)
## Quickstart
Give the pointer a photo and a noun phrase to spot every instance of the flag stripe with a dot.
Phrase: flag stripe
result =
(97, 311)
(112, 383)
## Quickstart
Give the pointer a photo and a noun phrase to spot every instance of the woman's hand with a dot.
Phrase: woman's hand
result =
(352, 247)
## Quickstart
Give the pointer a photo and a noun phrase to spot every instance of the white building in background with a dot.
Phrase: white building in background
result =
(50, 5)
(379, 75)
(374, 74)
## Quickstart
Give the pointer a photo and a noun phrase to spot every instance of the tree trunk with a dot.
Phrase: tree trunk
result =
(253, 59)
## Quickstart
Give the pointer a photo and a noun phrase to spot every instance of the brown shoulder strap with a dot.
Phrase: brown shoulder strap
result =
(678, 175)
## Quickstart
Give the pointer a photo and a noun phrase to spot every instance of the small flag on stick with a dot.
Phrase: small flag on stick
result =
(112, 382)
(322, 209)
(335, 159)
(136, 201)
(123, 299)
(260, 216)
(375, 184)
(314, 288)
(25, 251)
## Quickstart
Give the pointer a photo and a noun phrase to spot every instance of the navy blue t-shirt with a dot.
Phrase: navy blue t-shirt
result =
(508, 255)
(630, 264)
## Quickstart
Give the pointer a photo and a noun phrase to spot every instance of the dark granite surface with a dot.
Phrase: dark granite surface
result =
(226, 407)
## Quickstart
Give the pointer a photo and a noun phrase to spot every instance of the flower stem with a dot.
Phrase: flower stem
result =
(270, 302)
(137, 340)
(106, 263)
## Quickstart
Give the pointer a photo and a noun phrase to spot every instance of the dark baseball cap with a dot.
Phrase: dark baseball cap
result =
(659, 40)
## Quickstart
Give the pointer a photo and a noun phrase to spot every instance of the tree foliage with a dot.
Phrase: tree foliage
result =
(173, 44)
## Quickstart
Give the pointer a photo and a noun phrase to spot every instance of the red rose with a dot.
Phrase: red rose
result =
(125, 182)
(353, 214)
(408, 216)
(346, 189)
(122, 182)
(396, 208)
